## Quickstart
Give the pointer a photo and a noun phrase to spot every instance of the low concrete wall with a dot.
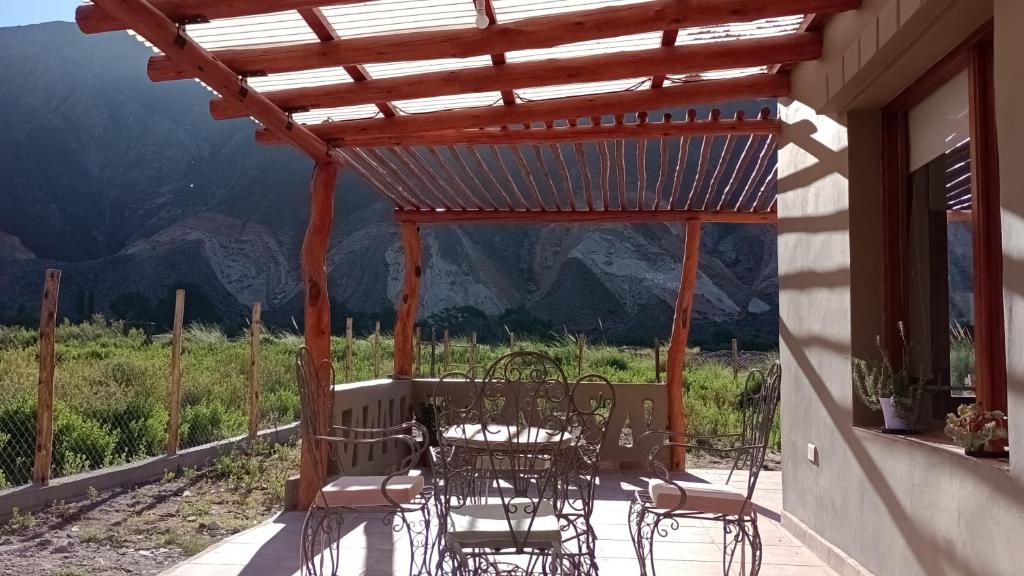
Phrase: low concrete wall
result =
(32, 497)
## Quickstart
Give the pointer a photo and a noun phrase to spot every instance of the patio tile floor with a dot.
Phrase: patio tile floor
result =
(271, 549)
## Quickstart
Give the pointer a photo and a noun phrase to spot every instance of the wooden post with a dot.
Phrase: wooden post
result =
(676, 362)
(376, 350)
(511, 341)
(657, 360)
(317, 315)
(418, 369)
(407, 305)
(433, 352)
(47, 362)
(446, 352)
(255, 332)
(581, 344)
(174, 388)
(735, 360)
(348, 349)
(472, 350)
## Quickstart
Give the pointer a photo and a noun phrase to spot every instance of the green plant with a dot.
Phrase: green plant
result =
(961, 356)
(878, 379)
(92, 494)
(80, 443)
(21, 520)
(977, 430)
(209, 422)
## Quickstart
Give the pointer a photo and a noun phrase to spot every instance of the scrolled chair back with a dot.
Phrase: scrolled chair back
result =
(759, 404)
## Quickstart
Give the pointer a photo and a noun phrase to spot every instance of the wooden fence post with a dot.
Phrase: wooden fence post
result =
(472, 350)
(348, 349)
(47, 362)
(418, 357)
(433, 350)
(174, 393)
(735, 360)
(446, 353)
(255, 333)
(511, 341)
(581, 344)
(657, 360)
(376, 350)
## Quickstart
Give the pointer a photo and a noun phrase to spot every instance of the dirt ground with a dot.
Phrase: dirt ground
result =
(147, 528)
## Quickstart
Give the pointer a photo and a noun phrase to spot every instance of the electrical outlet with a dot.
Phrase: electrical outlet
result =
(812, 453)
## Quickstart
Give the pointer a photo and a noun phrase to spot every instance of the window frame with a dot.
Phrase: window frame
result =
(975, 55)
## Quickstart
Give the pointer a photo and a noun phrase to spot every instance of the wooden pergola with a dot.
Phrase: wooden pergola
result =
(498, 111)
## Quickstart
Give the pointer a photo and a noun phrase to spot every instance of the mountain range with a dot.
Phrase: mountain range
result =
(131, 189)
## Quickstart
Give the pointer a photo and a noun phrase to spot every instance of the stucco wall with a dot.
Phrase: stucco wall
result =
(896, 506)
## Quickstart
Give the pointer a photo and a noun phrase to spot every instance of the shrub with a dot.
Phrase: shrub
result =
(209, 422)
(280, 407)
(16, 338)
(80, 443)
(17, 440)
(140, 427)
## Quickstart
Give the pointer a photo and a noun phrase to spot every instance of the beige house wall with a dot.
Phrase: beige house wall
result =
(895, 506)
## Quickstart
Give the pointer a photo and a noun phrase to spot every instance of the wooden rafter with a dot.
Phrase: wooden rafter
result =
(526, 34)
(740, 88)
(580, 216)
(508, 97)
(162, 33)
(668, 38)
(550, 72)
(320, 26)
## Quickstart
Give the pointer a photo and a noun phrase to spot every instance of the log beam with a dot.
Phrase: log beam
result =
(704, 91)
(317, 314)
(676, 360)
(550, 72)
(155, 27)
(580, 216)
(405, 320)
(526, 34)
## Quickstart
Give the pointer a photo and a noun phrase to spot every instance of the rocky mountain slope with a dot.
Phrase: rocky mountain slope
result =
(131, 189)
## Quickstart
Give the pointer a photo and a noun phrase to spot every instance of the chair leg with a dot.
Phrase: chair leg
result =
(756, 549)
(416, 524)
(737, 533)
(320, 546)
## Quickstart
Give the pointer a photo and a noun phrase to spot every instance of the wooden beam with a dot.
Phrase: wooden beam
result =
(155, 27)
(692, 58)
(95, 18)
(405, 320)
(580, 217)
(668, 38)
(47, 364)
(317, 316)
(704, 91)
(526, 34)
(676, 361)
(568, 134)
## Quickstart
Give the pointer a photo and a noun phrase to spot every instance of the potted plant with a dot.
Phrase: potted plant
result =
(979, 432)
(885, 387)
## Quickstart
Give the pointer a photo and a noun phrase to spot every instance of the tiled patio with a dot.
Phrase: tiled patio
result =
(694, 550)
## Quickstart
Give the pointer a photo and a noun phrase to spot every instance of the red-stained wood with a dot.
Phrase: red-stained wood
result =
(662, 171)
(720, 167)
(691, 58)
(461, 165)
(385, 186)
(989, 338)
(668, 38)
(162, 33)
(744, 87)
(588, 184)
(767, 153)
(47, 364)
(526, 34)
(323, 29)
(317, 319)
(641, 164)
(680, 172)
(442, 184)
(580, 216)
(556, 151)
(508, 97)
(702, 168)
(538, 156)
(490, 175)
(579, 133)
(398, 176)
(675, 364)
(413, 171)
(468, 195)
(739, 172)
(525, 168)
(367, 160)
(619, 163)
(769, 183)
(508, 175)
(405, 319)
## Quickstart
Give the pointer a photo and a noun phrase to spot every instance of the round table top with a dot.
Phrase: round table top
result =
(474, 436)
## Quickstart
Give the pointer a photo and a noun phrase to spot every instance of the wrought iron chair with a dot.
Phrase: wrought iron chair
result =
(400, 496)
(516, 467)
(656, 510)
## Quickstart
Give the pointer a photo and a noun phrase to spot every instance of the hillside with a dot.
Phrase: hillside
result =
(132, 189)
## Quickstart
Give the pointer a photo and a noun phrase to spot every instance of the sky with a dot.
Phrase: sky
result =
(20, 12)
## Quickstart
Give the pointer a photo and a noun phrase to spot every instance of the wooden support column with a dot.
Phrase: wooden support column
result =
(676, 361)
(47, 362)
(317, 316)
(409, 300)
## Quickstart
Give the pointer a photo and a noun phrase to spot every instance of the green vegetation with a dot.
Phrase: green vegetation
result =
(111, 387)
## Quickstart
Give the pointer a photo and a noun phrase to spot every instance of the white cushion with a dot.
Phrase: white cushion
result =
(366, 491)
(487, 526)
(700, 497)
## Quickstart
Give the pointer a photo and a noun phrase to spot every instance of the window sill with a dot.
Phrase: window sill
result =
(935, 440)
